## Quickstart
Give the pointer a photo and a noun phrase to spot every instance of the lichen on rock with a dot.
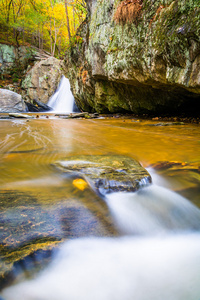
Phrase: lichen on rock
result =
(148, 66)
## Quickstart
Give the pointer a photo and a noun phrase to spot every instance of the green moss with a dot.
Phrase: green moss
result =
(153, 54)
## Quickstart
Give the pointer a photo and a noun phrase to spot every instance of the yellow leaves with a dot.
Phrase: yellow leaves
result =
(80, 184)
(42, 21)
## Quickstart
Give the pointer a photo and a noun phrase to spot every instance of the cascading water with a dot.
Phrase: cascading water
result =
(157, 259)
(62, 101)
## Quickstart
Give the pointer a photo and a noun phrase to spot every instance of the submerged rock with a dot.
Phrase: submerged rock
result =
(31, 225)
(11, 102)
(107, 174)
(183, 177)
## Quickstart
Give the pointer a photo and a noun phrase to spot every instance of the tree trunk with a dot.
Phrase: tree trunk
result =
(67, 17)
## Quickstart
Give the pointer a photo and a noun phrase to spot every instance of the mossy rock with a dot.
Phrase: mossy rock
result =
(31, 230)
(107, 174)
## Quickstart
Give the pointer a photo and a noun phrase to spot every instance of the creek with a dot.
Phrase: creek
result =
(143, 245)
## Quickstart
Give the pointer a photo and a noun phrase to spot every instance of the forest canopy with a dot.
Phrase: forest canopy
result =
(47, 24)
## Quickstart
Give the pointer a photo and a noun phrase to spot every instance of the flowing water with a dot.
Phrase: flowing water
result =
(62, 100)
(143, 245)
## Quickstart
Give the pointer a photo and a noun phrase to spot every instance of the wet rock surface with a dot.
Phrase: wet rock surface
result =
(107, 174)
(30, 231)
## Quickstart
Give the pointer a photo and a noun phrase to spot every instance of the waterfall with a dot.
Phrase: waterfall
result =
(158, 258)
(62, 100)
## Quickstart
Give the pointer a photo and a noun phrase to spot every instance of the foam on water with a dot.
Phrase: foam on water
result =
(151, 268)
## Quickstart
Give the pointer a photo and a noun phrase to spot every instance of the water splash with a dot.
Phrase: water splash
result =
(62, 101)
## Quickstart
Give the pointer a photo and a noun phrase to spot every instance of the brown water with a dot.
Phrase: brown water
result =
(29, 148)
(41, 208)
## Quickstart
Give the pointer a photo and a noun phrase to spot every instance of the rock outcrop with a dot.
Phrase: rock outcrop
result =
(149, 63)
(42, 80)
(11, 102)
(11, 58)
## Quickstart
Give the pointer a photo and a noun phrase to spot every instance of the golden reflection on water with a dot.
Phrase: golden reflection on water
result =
(29, 148)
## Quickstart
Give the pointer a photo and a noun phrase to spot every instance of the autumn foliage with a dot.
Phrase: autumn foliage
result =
(128, 11)
(84, 76)
(46, 24)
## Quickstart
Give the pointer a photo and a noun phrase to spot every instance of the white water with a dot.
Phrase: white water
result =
(163, 263)
(153, 210)
(62, 101)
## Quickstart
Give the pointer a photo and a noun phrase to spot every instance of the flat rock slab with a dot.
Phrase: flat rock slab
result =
(21, 116)
(107, 174)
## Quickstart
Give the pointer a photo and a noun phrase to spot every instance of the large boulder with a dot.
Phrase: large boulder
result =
(42, 80)
(11, 102)
(147, 62)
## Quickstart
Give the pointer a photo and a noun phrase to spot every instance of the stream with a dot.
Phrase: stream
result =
(61, 240)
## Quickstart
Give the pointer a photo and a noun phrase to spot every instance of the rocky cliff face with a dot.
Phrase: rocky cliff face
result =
(141, 59)
(16, 58)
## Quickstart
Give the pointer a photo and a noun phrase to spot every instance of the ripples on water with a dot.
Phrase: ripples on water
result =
(158, 255)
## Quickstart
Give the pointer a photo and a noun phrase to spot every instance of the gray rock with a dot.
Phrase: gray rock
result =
(107, 174)
(11, 102)
(42, 80)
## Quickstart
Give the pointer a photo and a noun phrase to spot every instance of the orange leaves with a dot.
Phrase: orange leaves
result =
(156, 15)
(84, 76)
(128, 11)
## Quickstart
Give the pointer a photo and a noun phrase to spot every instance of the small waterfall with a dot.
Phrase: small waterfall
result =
(153, 210)
(62, 101)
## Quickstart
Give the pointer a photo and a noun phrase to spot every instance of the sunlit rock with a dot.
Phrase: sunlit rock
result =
(107, 174)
